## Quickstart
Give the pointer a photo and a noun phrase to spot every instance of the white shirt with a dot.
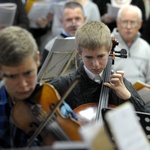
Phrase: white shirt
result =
(92, 75)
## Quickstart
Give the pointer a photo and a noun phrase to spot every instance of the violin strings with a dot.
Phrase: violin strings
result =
(52, 126)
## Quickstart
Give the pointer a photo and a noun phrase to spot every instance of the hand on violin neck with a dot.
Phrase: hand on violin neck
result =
(67, 111)
(116, 83)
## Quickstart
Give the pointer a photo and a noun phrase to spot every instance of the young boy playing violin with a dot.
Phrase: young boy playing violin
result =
(94, 44)
(19, 62)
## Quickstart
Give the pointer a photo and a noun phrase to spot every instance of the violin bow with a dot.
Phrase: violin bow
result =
(50, 114)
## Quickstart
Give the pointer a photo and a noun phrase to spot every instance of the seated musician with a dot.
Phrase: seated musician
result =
(19, 61)
(93, 46)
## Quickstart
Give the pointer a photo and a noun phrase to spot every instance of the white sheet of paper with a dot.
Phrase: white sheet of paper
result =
(7, 13)
(127, 131)
(112, 10)
(38, 10)
(58, 9)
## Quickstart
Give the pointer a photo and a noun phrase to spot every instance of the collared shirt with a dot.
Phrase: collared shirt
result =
(10, 136)
(65, 34)
(91, 75)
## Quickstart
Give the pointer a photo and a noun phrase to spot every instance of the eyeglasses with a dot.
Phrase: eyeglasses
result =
(125, 23)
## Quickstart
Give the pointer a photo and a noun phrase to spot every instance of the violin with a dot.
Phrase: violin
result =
(94, 109)
(40, 117)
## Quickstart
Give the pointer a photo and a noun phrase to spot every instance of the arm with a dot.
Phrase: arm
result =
(125, 91)
(21, 18)
(62, 84)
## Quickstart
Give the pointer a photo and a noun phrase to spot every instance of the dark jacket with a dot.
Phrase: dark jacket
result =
(146, 31)
(87, 91)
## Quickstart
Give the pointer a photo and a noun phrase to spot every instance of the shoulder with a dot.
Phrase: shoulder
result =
(144, 44)
(63, 80)
(62, 83)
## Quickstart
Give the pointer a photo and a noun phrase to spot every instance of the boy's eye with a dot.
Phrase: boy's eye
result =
(88, 57)
(101, 56)
(27, 73)
(10, 76)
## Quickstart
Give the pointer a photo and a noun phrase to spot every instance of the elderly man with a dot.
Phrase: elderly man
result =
(137, 65)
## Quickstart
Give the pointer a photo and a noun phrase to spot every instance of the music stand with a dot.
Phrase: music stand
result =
(68, 145)
(58, 60)
(143, 118)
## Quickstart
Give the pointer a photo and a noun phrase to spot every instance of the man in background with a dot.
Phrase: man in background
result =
(73, 16)
(137, 65)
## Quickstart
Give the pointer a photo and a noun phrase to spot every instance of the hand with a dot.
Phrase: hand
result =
(116, 83)
(50, 16)
(42, 22)
(107, 19)
(2, 26)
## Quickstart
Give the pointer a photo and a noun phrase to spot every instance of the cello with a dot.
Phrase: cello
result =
(40, 117)
(94, 109)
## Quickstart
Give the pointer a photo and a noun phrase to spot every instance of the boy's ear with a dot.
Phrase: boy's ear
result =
(78, 52)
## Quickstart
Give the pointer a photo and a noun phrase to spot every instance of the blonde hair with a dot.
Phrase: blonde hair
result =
(16, 44)
(93, 35)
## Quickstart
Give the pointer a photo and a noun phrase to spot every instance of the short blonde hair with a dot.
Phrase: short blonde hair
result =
(16, 44)
(93, 35)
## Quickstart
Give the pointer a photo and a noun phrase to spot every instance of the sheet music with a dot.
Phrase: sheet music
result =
(38, 10)
(126, 129)
(57, 58)
(57, 8)
(112, 10)
(7, 13)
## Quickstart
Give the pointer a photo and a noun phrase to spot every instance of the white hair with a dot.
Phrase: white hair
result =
(130, 7)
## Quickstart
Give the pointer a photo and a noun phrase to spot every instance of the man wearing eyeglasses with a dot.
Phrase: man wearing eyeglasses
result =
(137, 65)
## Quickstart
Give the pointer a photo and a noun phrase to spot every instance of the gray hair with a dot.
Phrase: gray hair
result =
(16, 44)
(130, 7)
(73, 5)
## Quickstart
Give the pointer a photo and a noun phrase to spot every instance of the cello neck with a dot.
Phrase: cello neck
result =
(104, 93)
